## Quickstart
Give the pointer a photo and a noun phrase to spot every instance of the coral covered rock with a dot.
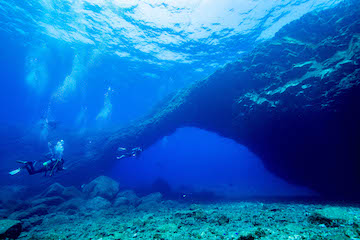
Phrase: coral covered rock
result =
(103, 187)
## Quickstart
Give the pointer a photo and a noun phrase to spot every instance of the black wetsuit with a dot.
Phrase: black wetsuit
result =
(52, 167)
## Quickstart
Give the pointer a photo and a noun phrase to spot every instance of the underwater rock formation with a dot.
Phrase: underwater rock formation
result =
(10, 229)
(150, 201)
(57, 190)
(175, 220)
(128, 197)
(96, 203)
(154, 217)
(293, 101)
(103, 187)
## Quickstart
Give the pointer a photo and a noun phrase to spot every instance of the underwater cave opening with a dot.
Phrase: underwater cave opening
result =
(193, 161)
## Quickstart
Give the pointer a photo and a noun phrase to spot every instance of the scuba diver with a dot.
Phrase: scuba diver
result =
(53, 165)
(134, 152)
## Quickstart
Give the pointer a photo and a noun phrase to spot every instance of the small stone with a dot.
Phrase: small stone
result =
(260, 233)
(317, 218)
(222, 220)
(247, 237)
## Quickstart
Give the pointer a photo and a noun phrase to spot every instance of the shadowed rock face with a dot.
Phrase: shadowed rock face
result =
(293, 101)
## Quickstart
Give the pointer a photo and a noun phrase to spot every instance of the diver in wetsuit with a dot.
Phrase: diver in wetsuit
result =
(51, 166)
(133, 153)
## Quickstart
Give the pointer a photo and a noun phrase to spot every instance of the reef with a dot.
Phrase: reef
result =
(123, 214)
(292, 100)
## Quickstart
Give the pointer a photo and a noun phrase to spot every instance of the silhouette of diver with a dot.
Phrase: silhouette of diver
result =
(52, 166)
(134, 152)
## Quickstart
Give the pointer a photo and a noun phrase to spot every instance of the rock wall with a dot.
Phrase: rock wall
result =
(293, 101)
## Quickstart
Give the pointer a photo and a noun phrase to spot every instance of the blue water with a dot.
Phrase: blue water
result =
(96, 65)
(193, 160)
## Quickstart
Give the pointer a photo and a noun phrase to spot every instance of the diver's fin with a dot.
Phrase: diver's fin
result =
(16, 171)
(22, 162)
(121, 149)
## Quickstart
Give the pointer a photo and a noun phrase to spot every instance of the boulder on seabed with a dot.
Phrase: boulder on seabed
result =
(127, 197)
(55, 189)
(102, 186)
(121, 201)
(153, 197)
(71, 192)
(71, 205)
(39, 210)
(49, 201)
(10, 229)
(150, 201)
(96, 203)
(59, 190)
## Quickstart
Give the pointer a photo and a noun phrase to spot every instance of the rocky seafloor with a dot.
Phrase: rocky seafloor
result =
(102, 211)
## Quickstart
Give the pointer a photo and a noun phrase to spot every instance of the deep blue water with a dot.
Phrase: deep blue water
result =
(93, 65)
(194, 160)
